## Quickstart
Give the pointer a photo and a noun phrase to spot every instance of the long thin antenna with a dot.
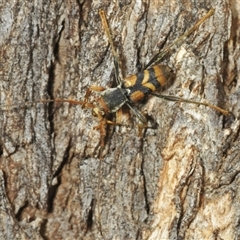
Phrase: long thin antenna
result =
(178, 99)
(109, 36)
(162, 53)
(58, 100)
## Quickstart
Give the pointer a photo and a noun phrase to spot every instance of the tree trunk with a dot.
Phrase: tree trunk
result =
(178, 181)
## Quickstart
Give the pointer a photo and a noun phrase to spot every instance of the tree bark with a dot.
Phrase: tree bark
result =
(178, 181)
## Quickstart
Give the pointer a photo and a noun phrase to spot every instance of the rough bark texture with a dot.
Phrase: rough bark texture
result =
(180, 180)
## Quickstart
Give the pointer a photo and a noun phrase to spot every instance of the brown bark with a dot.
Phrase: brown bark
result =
(180, 180)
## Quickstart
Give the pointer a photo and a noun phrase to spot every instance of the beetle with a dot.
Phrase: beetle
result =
(134, 88)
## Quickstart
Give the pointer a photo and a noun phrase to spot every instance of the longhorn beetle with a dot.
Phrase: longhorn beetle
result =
(134, 88)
